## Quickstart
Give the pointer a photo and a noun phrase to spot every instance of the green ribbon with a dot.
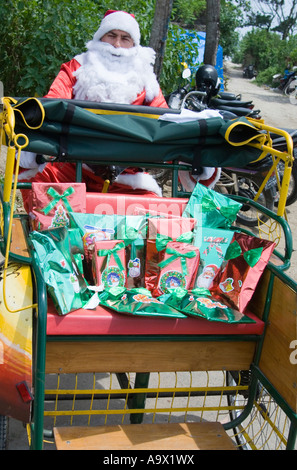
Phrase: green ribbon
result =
(113, 251)
(57, 197)
(175, 255)
(210, 204)
(178, 293)
(163, 240)
(115, 291)
(251, 256)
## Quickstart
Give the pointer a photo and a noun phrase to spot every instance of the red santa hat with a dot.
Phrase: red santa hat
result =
(121, 20)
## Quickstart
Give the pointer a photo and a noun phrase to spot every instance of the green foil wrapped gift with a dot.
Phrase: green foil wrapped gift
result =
(63, 279)
(211, 209)
(200, 303)
(138, 301)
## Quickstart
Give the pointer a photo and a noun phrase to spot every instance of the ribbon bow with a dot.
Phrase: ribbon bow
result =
(113, 251)
(210, 204)
(175, 255)
(251, 256)
(57, 197)
(162, 240)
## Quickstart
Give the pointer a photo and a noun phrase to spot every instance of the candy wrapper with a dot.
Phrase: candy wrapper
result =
(212, 244)
(138, 301)
(246, 257)
(178, 267)
(160, 232)
(52, 202)
(108, 264)
(200, 303)
(64, 282)
(133, 231)
(211, 209)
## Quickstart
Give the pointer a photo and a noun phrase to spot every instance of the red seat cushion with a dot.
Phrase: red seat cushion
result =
(102, 321)
(108, 203)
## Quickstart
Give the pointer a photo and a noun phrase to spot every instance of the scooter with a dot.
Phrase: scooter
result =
(203, 97)
(240, 181)
(287, 83)
(249, 72)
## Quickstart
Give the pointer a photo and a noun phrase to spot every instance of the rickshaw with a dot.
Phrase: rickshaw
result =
(95, 379)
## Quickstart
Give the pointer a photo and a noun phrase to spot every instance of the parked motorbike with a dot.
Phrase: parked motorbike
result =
(287, 83)
(207, 95)
(239, 181)
(249, 72)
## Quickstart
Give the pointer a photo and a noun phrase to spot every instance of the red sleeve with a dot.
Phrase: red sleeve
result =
(62, 86)
(159, 101)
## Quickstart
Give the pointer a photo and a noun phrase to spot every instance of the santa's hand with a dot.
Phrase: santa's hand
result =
(28, 160)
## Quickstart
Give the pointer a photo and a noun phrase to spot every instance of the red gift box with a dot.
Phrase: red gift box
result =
(51, 203)
(108, 263)
(247, 257)
(178, 267)
(160, 232)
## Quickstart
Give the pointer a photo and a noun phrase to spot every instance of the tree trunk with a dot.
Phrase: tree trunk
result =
(159, 32)
(212, 31)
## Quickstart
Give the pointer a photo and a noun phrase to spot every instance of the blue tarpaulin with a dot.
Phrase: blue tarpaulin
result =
(199, 59)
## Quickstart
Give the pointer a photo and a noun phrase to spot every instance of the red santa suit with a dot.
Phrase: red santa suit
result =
(103, 74)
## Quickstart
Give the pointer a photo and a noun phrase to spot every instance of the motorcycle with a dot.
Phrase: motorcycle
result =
(249, 72)
(207, 96)
(287, 83)
(240, 181)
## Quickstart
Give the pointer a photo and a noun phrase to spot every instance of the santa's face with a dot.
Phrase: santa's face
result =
(118, 38)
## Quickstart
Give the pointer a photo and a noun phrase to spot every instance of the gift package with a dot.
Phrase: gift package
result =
(211, 209)
(246, 259)
(51, 204)
(149, 263)
(65, 283)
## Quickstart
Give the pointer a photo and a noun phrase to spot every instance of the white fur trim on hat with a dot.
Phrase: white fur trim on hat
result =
(119, 20)
(140, 180)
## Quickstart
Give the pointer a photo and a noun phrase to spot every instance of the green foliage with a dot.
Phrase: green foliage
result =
(186, 12)
(268, 52)
(39, 35)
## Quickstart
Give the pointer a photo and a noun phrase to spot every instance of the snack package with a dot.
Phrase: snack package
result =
(64, 281)
(246, 257)
(200, 303)
(52, 203)
(178, 267)
(133, 230)
(160, 232)
(211, 209)
(212, 244)
(108, 263)
(138, 301)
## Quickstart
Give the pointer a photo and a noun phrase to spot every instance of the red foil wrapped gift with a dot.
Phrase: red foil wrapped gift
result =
(246, 257)
(178, 267)
(108, 263)
(160, 232)
(51, 203)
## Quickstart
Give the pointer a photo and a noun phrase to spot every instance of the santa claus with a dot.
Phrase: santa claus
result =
(114, 69)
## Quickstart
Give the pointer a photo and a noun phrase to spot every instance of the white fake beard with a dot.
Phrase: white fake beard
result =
(115, 75)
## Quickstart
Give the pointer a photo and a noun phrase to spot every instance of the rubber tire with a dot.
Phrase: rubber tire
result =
(3, 432)
(292, 195)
